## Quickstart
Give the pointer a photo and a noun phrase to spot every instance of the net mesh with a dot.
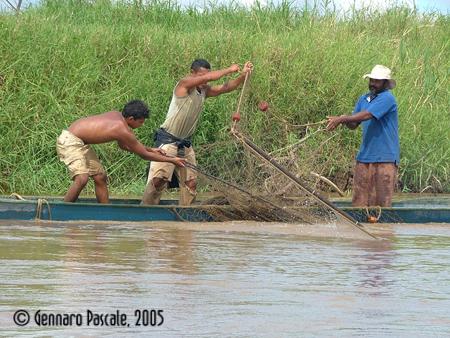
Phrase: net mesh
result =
(285, 185)
(256, 188)
(277, 189)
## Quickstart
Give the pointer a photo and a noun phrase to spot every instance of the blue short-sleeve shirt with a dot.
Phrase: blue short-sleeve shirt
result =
(380, 141)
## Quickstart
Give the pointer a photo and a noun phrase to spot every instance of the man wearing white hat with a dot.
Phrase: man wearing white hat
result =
(379, 155)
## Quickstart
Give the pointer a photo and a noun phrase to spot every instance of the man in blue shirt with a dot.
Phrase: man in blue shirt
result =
(375, 173)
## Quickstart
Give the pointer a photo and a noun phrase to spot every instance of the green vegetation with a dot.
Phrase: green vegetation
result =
(67, 59)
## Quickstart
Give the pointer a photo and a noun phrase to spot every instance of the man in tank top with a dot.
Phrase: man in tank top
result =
(174, 136)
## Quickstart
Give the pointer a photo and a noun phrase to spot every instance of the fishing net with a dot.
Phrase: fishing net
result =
(284, 185)
(255, 189)
(288, 185)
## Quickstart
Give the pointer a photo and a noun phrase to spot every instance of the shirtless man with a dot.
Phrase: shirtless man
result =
(74, 150)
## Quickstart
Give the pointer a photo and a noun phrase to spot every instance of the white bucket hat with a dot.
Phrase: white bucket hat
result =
(380, 72)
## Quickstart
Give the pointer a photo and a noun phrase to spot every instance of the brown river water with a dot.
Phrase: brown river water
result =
(234, 279)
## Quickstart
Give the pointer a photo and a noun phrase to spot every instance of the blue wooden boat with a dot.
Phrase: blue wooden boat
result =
(415, 210)
(87, 209)
(435, 209)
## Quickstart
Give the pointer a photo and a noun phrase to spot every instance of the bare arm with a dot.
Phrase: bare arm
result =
(128, 141)
(351, 121)
(189, 82)
(123, 146)
(149, 149)
(156, 150)
(352, 125)
(232, 84)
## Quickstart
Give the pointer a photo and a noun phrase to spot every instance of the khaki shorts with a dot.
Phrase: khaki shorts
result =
(373, 184)
(77, 156)
(165, 170)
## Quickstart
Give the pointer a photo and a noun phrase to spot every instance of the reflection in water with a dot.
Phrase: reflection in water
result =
(229, 279)
(376, 260)
(174, 247)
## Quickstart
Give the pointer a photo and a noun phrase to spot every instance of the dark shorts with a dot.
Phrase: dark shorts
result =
(373, 184)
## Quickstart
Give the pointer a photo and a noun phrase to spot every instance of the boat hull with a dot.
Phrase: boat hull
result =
(129, 210)
(87, 210)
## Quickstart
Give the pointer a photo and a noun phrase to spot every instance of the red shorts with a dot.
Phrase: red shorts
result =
(373, 184)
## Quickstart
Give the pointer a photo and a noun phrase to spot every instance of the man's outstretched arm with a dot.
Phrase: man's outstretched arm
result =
(232, 84)
(189, 82)
(351, 121)
(129, 142)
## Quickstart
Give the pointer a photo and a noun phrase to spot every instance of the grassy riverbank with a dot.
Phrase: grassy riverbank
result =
(68, 59)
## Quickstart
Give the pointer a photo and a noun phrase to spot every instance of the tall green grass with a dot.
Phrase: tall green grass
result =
(64, 60)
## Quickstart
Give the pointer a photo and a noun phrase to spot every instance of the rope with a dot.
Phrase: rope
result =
(373, 219)
(309, 124)
(17, 196)
(329, 182)
(39, 209)
(306, 137)
(242, 93)
(238, 109)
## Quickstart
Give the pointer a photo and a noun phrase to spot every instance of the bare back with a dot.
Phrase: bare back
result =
(102, 128)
